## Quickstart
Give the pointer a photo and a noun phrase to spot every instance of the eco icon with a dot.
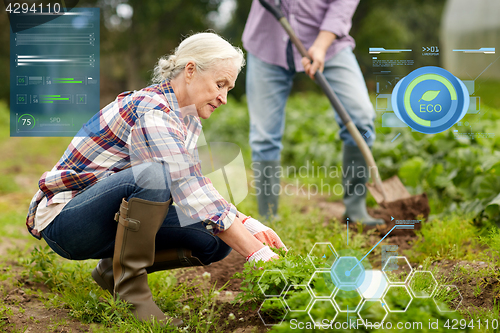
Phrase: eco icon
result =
(429, 95)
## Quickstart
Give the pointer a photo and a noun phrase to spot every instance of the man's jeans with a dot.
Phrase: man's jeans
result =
(85, 228)
(268, 87)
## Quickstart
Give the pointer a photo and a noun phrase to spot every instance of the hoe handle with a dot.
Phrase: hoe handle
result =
(334, 100)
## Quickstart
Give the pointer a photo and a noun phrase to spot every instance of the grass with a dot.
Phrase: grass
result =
(440, 239)
(72, 288)
(449, 237)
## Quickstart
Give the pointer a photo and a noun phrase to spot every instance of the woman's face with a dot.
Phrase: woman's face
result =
(208, 90)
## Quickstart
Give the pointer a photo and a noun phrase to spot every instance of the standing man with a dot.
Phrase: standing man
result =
(323, 27)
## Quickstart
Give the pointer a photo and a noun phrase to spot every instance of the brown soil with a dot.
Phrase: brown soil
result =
(220, 274)
(222, 271)
(245, 320)
(414, 208)
(489, 291)
(29, 314)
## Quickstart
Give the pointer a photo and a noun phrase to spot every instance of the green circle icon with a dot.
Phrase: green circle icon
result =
(27, 120)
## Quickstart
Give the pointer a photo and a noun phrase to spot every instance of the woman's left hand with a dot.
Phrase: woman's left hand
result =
(264, 234)
(264, 254)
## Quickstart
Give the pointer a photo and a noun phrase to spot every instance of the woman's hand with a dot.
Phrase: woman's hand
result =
(264, 254)
(264, 234)
(243, 242)
(317, 52)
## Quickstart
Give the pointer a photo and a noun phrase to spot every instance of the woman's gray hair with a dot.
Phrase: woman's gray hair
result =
(205, 49)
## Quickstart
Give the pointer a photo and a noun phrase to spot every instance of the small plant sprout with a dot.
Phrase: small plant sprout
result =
(231, 316)
(186, 308)
(206, 275)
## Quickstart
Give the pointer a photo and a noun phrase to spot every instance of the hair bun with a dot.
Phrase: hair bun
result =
(172, 61)
(204, 49)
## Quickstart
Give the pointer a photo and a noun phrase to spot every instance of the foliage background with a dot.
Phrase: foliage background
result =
(130, 48)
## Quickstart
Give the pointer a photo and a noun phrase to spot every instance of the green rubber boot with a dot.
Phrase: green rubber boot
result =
(267, 187)
(355, 175)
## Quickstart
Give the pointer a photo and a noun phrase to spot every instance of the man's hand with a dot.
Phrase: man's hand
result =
(317, 52)
(264, 234)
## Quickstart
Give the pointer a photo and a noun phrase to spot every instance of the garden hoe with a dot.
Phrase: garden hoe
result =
(390, 194)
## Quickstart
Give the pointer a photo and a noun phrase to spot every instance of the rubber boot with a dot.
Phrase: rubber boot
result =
(355, 175)
(164, 261)
(267, 187)
(138, 222)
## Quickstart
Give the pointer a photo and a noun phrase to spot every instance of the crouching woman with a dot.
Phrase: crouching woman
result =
(110, 195)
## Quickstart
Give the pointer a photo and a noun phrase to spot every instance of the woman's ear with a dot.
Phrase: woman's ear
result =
(189, 71)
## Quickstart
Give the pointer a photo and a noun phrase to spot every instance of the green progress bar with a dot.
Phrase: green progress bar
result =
(46, 102)
(59, 99)
(50, 95)
(68, 82)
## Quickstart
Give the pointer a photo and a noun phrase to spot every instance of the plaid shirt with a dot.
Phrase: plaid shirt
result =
(141, 126)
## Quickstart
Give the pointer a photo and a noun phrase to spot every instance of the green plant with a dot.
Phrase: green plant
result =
(477, 289)
(438, 239)
(295, 269)
(492, 240)
(43, 266)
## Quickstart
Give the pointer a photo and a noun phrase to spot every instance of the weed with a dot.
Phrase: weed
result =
(492, 241)
(295, 269)
(477, 289)
(439, 240)
(42, 266)
(5, 312)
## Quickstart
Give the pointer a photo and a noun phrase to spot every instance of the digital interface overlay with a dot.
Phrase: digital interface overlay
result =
(54, 70)
(390, 66)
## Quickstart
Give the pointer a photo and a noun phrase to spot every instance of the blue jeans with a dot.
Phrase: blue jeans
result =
(268, 87)
(85, 228)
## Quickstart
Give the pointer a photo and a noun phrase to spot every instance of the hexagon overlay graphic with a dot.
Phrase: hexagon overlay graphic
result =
(373, 312)
(297, 298)
(272, 311)
(397, 298)
(272, 283)
(347, 300)
(322, 256)
(447, 298)
(348, 273)
(397, 269)
(422, 284)
(321, 284)
(321, 311)
(374, 285)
